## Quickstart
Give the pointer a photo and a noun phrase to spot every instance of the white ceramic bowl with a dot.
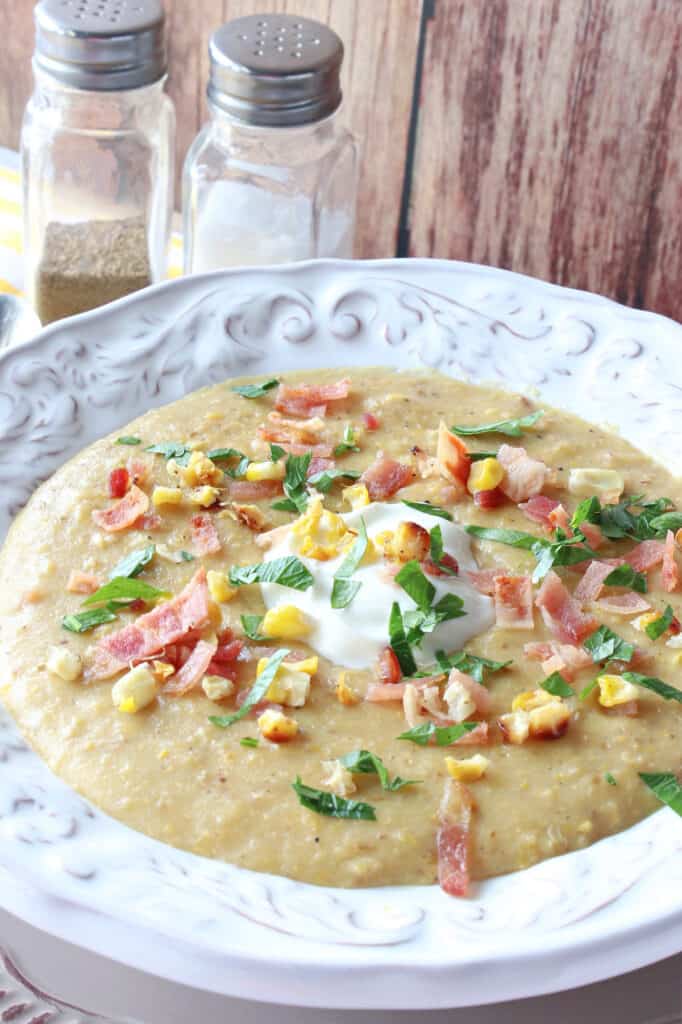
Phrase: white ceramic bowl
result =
(81, 877)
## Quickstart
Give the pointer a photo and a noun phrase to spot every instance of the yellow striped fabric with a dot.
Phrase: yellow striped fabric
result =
(11, 231)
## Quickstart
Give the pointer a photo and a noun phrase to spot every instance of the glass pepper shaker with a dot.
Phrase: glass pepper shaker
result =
(97, 154)
(271, 178)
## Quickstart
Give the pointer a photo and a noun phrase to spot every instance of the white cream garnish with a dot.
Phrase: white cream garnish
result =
(353, 637)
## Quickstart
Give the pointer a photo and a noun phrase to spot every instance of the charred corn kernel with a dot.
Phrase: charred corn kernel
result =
(409, 542)
(515, 727)
(219, 586)
(345, 694)
(467, 769)
(550, 721)
(357, 496)
(162, 670)
(277, 727)
(64, 663)
(135, 690)
(266, 471)
(485, 475)
(204, 496)
(614, 690)
(289, 687)
(532, 699)
(199, 470)
(642, 621)
(320, 533)
(459, 701)
(286, 622)
(338, 779)
(604, 483)
(166, 496)
(216, 688)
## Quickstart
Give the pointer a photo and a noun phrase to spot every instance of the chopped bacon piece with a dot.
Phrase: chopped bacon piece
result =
(566, 659)
(671, 570)
(253, 490)
(590, 586)
(524, 477)
(169, 623)
(476, 691)
(452, 839)
(124, 513)
(446, 562)
(310, 399)
(538, 509)
(559, 519)
(139, 469)
(205, 539)
(385, 477)
(149, 521)
(119, 482)
(138, 605)
(377, 693)
(646, 555)
(484, 580)
(228, 650)
(453, 458)
(478, 737)
(82, 582)
(561, 612)
(513, 596)
(193, 671)
(370, 421)
(592, 534)
(492, 498)
(318, 465)
(388, 667)
(279, 429)
(226, 670)
(624, 604)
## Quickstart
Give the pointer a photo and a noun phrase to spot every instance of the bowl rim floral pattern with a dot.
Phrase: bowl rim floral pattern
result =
(64, 864)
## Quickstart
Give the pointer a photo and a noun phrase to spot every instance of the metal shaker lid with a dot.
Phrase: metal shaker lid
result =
(103, 45)
(277, 70)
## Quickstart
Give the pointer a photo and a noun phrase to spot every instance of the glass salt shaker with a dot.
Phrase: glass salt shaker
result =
(97, 154)
(271, 178)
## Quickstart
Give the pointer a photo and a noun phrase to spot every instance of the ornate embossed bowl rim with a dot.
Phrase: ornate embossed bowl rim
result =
(84, 878)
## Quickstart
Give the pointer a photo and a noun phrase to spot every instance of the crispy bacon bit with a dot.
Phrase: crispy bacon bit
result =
(453, 458)
(124, 513)
(251, 517)
(478, 737)
(310, 399)
(671, 570)
(646, 555)
(624, 604)
(228, 650)
(226, 670)
(281, 430)
(564, 658)
(476, 691)
(484, 580)
(377, 693)
(489, 499)
(318, 465)
(513, 596)
(592, 534)
(538, 509)
(388, 667)
(452, 839)
(256, 490)
(193, 671)
(82, 582)
(385, 477)
(561, 612)
(205, 539)
(590, 586)
(524, 477)
(148, 522)
(139, 469)
(560, 520)
(119, 482)
(370, 421)
(169, 623)
(446, 562)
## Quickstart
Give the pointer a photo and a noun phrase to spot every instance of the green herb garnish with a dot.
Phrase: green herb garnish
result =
(444, 735)
(288, 571)
(128, 439)
(134, 563)
(605, 645)
(665, 787)
(420, 622)
(436, 551)
(557, 685)
(363, 761)
(255, 390)
(277, 452)
(398, 641)
(81, 622)
(478, 456)
(295, 484)
(248, 741)
(626, 576)
(255, 694)
(562, 551)
(221, 454)
(172, 450)
(122, 588)
(664, 690)
(633, 516)
(472, 664)
(656, 628)
(510, 428)
(348, 444)
(330, 804)
(323, 480)
(429, 509)
(186, 556)
(251, 625)
(414, 582)
(610, 779)
(344, 587)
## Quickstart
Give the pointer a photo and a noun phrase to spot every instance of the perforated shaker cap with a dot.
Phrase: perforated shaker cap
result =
(277, 70)
(104, 45)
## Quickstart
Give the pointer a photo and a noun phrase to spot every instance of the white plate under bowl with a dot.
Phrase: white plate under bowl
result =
(81, 876)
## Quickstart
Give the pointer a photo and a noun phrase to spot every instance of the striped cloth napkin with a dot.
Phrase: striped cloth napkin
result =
(11, 232)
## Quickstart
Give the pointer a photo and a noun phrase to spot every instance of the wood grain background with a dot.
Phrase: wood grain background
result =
(547, 136)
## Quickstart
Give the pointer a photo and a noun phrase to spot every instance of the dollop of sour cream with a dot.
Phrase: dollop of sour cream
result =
(353, 637)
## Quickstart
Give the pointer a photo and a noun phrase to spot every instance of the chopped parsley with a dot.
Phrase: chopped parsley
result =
(128, 439)
(665, 787)
(656, 628)
(348, 444)
(633, 516)
(323, 480)
(172, 450)
(277, 452)
(81, 622)
(444, 735)
(251, 625)
(429, 509)
(416, 585)
(134, 563)
(221, 454)
(610, 779)
(256, 693)
(363, 761)
(295, 484)
(605, 645)
(398, 641)
(472, 664)
(436, 552)
(562, 551)
(626, 576)
(344, 587)
(330, 804)
(557, 685)
(255, 390)
(248, 741)
(288, 571)
(122, 588)
(664, 690)
(510, 428)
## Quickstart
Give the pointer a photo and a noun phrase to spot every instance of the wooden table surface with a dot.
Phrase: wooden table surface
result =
(540, 135)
